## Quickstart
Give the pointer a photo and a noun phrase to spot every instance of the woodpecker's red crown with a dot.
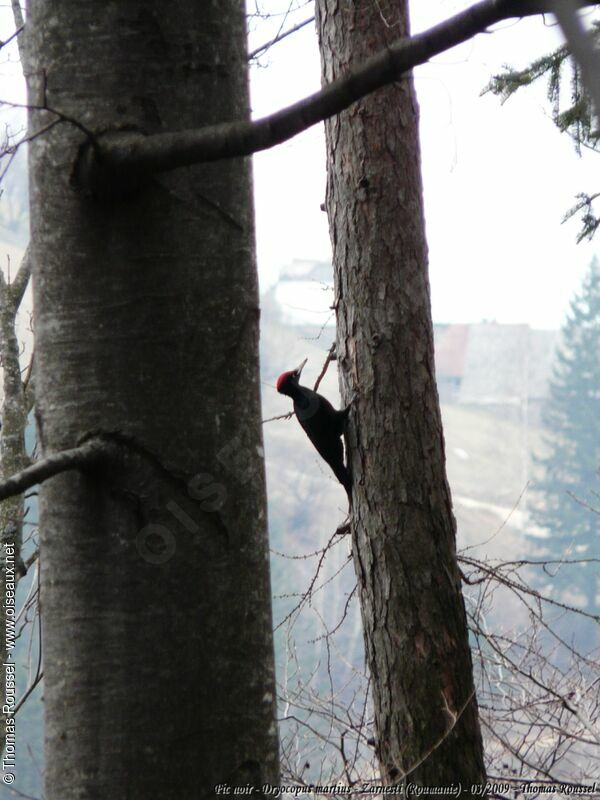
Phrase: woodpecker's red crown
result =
(285, 376)
(282, 379)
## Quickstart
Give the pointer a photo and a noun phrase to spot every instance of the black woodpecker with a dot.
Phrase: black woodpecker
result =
(323, 425)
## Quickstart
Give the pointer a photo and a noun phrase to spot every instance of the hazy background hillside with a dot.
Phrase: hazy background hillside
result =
(492, 379)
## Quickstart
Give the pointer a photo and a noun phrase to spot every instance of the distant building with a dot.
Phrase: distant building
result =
(450, 343)
(506, 368)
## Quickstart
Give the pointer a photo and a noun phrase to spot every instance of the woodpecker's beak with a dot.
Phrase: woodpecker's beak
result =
(299, 369)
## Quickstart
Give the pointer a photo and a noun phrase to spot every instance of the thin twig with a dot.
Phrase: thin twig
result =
(289, 415)
(328, 360)
(19, 285)
(280, 37)
(12, 36)
(30, 689)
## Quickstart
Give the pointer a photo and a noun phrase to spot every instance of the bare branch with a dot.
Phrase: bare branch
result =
(31, 560)
(30, 392)
(289, 415)
(86, 455)
(19, 285)
(123, 156)
(11, 37)
(20, 27)
(14, 417)
(280, 37)
(18, 14)
(29, 372)
(30, 689)
(331, 356)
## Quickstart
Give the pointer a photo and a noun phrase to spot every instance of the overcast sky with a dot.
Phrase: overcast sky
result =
(498, 179)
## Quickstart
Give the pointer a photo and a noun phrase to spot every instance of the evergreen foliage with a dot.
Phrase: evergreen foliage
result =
(574, 116)
(569, 489)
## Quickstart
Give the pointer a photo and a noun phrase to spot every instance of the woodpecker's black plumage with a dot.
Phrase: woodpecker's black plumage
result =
(322, 423)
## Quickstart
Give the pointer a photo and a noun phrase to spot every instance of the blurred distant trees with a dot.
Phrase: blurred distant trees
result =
(569, 502)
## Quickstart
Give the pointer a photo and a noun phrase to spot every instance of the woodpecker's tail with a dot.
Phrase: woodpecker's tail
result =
(343, 475)
(348, 488)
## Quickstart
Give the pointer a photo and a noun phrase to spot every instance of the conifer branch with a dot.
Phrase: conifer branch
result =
(581, 46)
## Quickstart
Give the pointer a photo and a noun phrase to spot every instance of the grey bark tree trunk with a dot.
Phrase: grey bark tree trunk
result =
(403, 528)
(155, 589)
(13, 457)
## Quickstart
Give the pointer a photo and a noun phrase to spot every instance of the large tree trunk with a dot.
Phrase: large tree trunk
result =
(403, 528)
(155, 589)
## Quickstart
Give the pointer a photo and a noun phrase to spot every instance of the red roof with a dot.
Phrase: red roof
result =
(450, 350)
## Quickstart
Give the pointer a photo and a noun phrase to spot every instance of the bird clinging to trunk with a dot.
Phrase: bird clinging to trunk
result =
(322, 423)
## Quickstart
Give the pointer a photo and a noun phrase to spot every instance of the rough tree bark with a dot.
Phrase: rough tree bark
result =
(155, 590)
(13, 457)
(403, 528)
(16, 404)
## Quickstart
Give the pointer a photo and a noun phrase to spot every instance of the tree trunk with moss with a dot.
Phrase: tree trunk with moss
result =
(403, 527)
(155, 589)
